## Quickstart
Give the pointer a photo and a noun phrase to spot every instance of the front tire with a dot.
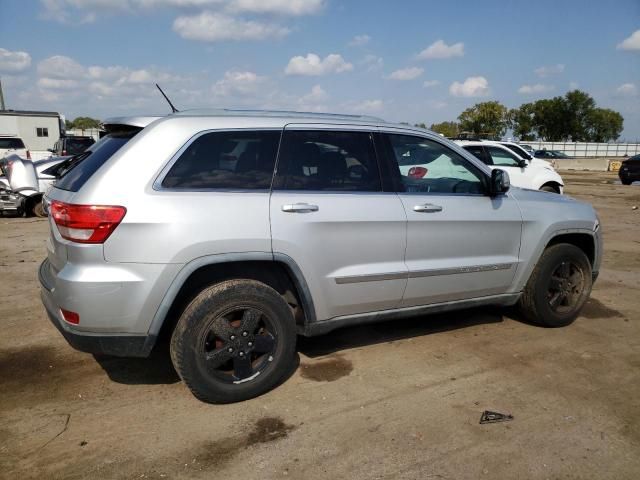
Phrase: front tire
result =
(236, 340)
(558, 287)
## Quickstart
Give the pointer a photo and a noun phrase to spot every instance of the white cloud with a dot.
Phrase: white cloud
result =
(57, 83)
(237, 83)
(632, 43)
(627, 90)
(87, 11)
(368, 106)
(281, 7)
(317, 94)
(214, 27)
(440, 49)
(537, 88)
(548, 70)
(372, 63)
(430, 83)
(409, 73)
(359, 40)
(14, 62)
(313, 65)
(60, 66)
(471, 87)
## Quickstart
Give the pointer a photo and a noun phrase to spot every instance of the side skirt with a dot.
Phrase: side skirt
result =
(325, 326)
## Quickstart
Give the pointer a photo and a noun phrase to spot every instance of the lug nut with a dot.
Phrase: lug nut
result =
(241, 354)
(232, 337)
(245, 333)
(230, 350)
(250, 344)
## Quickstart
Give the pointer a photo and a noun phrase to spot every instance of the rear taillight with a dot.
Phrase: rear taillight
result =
(417, 172)
(64, 153)
(86, 223)
(28, 155)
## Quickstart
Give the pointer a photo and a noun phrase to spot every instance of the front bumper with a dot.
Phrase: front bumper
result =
(105, 344)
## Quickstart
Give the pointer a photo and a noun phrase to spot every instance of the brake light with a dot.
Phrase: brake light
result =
(28, 155)
(86, 223)
(64, 153)
(417, 172)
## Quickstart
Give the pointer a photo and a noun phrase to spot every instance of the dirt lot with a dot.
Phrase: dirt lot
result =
(400, 400)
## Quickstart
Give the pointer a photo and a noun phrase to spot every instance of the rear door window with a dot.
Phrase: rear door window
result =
(334, 161)
(80, 168)
(478, 152)
(78, 145)
(503, 157)
(11, 143)
(240, 160)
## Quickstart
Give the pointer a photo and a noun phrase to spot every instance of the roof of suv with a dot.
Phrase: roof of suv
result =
(276, 117)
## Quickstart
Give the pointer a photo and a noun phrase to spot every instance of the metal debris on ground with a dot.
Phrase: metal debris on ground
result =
(494, 417)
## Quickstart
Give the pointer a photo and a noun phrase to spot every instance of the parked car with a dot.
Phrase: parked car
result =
(551, 154)
(71, 145)
(535, 174)
(182, 227)
(13, 145)
(630, 170)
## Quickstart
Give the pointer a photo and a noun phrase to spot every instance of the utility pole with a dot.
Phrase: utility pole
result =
(2, 107)
(1, 97)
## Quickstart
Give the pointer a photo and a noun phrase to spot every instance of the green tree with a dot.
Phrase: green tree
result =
(521, 121)
(550, 119)
(579, 106)
(421, 125)
(604, 125)
(486, 119)
(85, 123)
(448, 129)
(68, 124)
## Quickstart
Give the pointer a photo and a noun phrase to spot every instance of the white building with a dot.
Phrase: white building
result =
(38, 130)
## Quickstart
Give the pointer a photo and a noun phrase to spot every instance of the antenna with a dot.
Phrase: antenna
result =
(2, 106)
(173, 109)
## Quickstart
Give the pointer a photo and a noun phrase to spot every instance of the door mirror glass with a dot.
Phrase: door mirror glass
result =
(500, 182)
(523, 163)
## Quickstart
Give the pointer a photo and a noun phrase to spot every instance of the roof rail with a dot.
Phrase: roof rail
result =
(223, 112)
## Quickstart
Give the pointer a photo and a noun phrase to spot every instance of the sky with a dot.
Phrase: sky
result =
(404, 60)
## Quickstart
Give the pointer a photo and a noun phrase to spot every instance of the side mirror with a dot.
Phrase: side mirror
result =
(522, 163)
(499, 182)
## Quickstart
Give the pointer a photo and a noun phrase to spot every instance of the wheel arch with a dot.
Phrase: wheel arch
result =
(583, 240)
(278, 271)
(553, 184)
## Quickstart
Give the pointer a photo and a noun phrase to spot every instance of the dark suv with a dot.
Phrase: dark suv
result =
(71, 145)
(630, 170)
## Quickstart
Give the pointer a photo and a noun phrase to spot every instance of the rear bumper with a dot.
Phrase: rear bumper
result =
(96, 343)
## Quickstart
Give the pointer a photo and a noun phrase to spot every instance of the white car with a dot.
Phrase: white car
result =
(13, 145)
(523, 172)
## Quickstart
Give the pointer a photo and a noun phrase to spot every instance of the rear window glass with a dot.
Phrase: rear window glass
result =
(12, 143)
(226, 160)
(80, 168)
(77, 145)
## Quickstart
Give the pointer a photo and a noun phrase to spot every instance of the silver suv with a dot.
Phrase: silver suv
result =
(230, 232)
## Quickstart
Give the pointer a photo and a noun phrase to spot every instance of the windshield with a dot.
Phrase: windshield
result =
(77, 170)
(11, 143)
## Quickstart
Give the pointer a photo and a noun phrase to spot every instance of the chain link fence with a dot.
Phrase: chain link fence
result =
(587, 149)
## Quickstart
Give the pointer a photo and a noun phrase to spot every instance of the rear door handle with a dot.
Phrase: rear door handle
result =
(299, 208)
(427, 208)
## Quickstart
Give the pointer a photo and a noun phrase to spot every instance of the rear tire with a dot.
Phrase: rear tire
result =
(626, 182)
(38, 209)
(549, 188)
(236, 340)
(558, 287)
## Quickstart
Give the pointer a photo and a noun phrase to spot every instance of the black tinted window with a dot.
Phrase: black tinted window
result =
(228, 160)
(79, 169)
(329, 161)
(12, 143)
(77, 145)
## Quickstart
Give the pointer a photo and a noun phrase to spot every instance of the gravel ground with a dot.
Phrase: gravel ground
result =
(400, 400)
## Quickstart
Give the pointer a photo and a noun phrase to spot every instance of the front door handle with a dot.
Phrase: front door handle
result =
(299, 208)
(427, 208)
